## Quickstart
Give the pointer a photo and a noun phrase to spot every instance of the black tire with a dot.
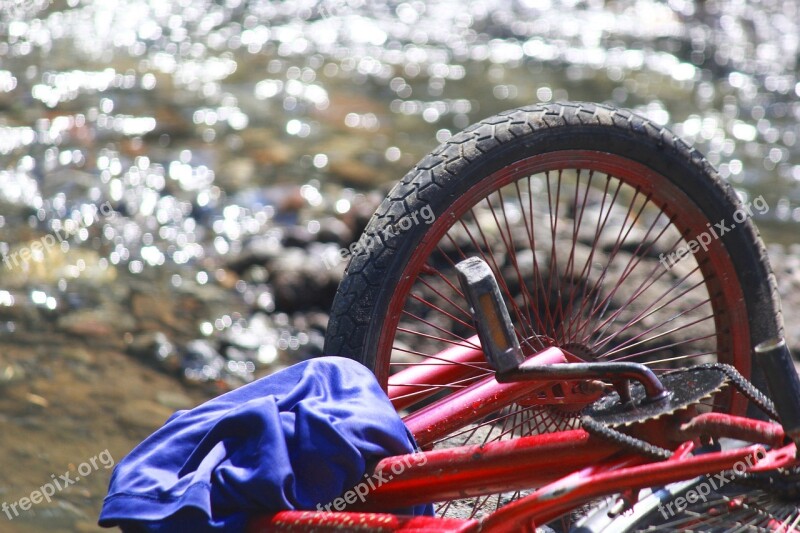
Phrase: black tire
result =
(359, 311)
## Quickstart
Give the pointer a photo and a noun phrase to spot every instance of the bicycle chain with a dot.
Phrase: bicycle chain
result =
(601, 430)
(747, 389)
(785, 484)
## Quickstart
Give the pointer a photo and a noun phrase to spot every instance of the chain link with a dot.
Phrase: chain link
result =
(786, 483)
(742, 385)
(747, 389)
(605, 432)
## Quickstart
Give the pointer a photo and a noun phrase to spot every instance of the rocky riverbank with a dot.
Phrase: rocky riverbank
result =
(240, 145)
(120, 353)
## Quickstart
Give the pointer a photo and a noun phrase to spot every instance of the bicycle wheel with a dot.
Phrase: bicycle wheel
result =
(700, 508)
(579, 209)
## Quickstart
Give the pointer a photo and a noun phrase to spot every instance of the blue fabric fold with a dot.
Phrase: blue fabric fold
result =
(292, 440)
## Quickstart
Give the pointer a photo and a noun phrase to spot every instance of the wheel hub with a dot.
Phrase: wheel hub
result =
(580, 350)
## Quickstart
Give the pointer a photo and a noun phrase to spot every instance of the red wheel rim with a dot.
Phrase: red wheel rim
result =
(725, 295)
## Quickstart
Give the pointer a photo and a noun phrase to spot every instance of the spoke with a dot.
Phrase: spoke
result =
(537, 277)
(547, 418)
(672, 345)
(474, 428)
(483, 500)
(500, 279)
(444, 297)
(515, 424)
(471, 430)
(545, 296)
(443, 361)
(649, 307)
(553, 256)
(569, 268)
(615, 249)
(426, 303)
(646, 283)
(429, 386)
(670, 359)
(599, 230)
(622, 347)
(453, 385)
(513, 258)
(443, 330)
(641, 289)
(587, 265)
(433, 385)
(498, 275)
(435, 338)
(442, 509)
(653, 328)
(634, 261)
(514, 413)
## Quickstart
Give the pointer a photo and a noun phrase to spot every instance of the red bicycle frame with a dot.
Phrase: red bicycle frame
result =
(566, 468)
(468, 471)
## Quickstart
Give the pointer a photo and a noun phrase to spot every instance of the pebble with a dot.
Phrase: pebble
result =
(301, 281)
(174, 400)
(77, 354)
(99, 324)
(332, 229)
(10, 374)
(35, 399)
(155, 348)
(142, 415)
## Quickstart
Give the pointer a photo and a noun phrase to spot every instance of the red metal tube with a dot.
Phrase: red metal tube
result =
(522, 463)
(312, 521)
(553, 500)
(735, 427)
(473, 403)
(405, 394)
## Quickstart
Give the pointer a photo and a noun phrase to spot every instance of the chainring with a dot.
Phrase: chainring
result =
(685, 387)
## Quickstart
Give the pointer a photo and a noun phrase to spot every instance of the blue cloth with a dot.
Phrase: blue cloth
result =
(292, 440)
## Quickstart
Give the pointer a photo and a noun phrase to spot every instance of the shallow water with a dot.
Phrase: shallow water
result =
(169, 111)
(201, 125)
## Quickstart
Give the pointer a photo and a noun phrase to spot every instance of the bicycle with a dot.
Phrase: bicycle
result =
(508, 329)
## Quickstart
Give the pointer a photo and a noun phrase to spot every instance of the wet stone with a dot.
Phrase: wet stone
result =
(78, 354)
(156, 349)
(301, 281)
(138, 415)
(297, 236)
(99, 324)
(11, 374)
(174, 400)
(256, 251)
(332, 229)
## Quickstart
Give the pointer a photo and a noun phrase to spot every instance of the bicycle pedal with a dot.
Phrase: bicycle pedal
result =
(490, 314)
